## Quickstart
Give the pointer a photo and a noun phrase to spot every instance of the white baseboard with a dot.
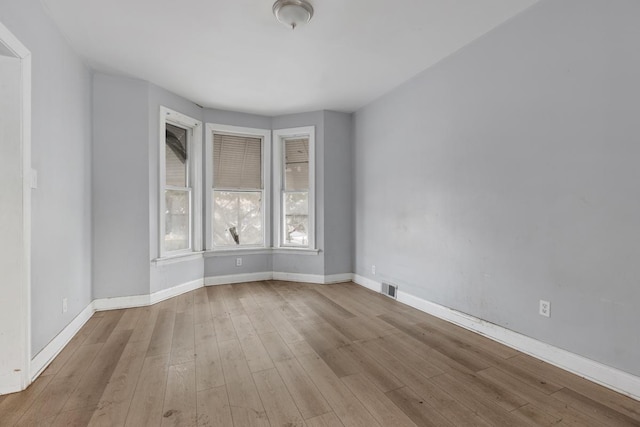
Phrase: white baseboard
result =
(11, 383)
(312, 278)
(237, 278)
(272, 275)
(297, 277)
(338, 278)
(144, 300)
(612, 378)
(51, 350)
(175, 291)
(367, 283)
(118, 303)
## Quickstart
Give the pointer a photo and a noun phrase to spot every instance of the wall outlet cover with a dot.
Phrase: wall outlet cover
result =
(545, 308)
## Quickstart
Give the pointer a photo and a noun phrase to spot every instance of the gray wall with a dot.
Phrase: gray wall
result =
(121, 188)
(307, 264)
(126, 123)
(169, 275)
(508, 173)
(223, 265)
(126, 140)
(333, 197)
(233, 118)
(292, 263)
(61, 153)
(160, 97)
(165, 276)
(338, 195)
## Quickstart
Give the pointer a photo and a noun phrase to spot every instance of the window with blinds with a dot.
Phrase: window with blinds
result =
(238, 190)
(294, 180)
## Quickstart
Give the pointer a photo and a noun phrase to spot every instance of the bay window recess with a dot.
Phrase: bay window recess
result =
(179, 199)
(294, 180)
(238, 171)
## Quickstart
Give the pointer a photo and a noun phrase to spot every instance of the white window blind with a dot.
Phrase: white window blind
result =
(237, 162)
(296, 164)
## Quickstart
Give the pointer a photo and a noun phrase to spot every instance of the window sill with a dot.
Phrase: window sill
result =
(260, 251)
(172, 259)
(296, 251)
(237, 251)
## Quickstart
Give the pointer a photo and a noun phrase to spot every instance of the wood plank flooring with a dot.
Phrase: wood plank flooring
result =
(291, 354)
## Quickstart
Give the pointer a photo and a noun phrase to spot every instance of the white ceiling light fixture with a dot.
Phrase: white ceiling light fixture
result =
(292, 13)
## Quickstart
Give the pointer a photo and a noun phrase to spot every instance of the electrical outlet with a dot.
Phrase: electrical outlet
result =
(238, 262)
(545, 308)
(64, 305)
(373, 270)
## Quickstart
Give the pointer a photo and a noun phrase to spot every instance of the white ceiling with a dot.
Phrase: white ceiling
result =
(234, 55)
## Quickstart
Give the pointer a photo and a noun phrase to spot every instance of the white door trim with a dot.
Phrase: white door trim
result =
(22, 53)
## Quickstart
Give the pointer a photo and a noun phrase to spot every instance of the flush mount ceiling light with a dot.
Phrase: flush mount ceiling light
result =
(292, 13)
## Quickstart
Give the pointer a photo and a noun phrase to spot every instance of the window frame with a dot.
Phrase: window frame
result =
(194, 178)
(279, 136)
(265, 135)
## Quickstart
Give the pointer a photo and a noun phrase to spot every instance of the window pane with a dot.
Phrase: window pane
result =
(296, 164)
(176, 156)
(176, 235)
(237, 162)
(237, 218)
(296, 218)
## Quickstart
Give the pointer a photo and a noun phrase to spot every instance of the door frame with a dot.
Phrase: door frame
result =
(24, 55)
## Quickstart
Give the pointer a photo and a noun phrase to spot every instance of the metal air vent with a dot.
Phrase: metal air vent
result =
(390, 290)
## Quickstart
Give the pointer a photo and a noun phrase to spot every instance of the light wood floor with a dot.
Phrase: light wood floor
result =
(290, 354)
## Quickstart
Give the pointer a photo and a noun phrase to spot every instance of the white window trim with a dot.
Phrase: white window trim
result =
(265, 135)
(294, 250)
(237, 251)
(260, 251)
(279, 136)
(195, 176)
(21, 309)
(174, 259)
